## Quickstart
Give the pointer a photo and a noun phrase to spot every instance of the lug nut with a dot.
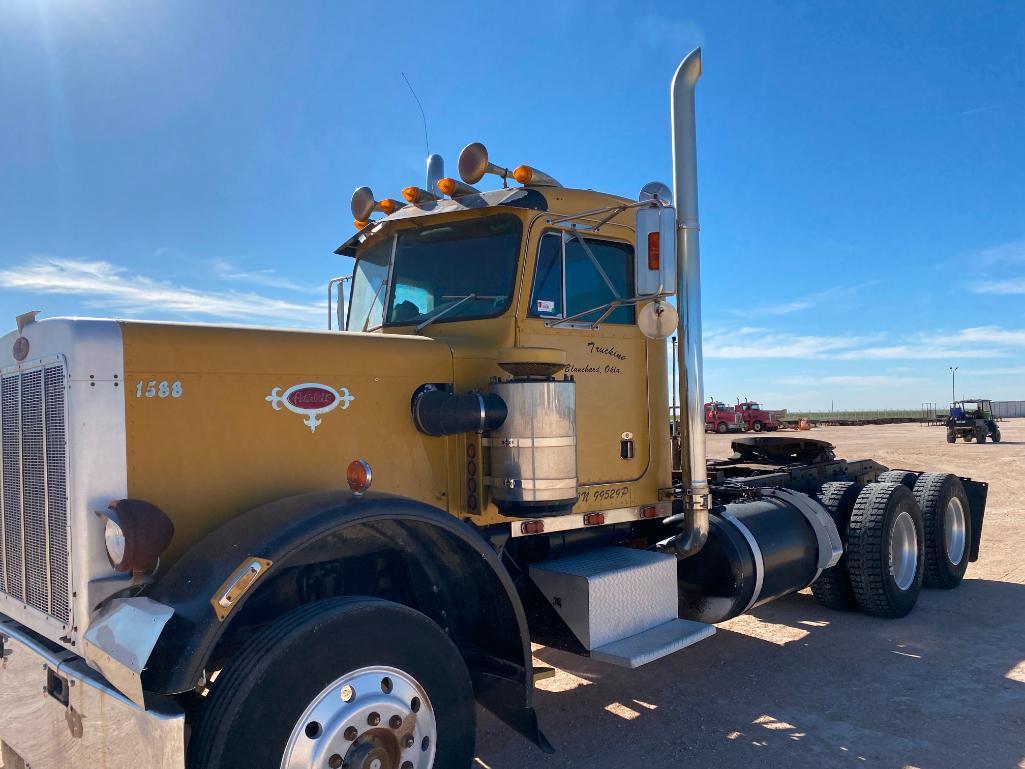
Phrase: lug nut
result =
(395, 722)
(335, 762)
(407, 765)
(374, 719)
(407, 741)
(351, 733)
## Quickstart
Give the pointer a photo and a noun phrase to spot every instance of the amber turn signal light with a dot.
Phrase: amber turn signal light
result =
(654, 255)
(359, 225)
(359, 476)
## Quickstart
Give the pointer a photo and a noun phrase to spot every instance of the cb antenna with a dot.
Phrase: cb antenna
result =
(427, 143)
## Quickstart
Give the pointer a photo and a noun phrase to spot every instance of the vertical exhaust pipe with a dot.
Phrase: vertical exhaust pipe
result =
(688, 295)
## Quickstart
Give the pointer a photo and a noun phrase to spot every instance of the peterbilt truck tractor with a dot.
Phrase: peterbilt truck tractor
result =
(288, 549)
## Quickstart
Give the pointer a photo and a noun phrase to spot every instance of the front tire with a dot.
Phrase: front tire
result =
(947, 523)
(757, 427)
(347, 681)
(951, 436)
(885, 557)
(721, 428)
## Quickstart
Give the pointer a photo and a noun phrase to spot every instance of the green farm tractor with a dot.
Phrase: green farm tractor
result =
(972, 420)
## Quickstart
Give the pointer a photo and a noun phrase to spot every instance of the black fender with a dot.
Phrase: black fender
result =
(322, 527)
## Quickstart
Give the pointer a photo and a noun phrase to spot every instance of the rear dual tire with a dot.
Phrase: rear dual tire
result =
(885, 556)
(947, 524)
(833, 587)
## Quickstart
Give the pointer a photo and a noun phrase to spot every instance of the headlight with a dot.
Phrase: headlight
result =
(114, 538)
(135, 533)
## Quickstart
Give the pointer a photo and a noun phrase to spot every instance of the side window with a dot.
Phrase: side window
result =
(572, 279)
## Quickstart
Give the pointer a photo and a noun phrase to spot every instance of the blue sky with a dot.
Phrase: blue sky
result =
(862, 165)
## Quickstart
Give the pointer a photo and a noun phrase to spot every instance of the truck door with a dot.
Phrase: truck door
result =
(571, 280)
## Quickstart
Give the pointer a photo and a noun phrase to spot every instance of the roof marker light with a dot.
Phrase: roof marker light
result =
(529, 175)
(455, 189)
(417, 195)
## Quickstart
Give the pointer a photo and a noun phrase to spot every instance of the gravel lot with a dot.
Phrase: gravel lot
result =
(796, 685)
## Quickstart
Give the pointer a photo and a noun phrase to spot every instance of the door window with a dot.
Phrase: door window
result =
(580, 277)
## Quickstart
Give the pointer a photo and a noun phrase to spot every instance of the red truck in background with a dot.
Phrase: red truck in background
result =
(720, 418)
(755, 417)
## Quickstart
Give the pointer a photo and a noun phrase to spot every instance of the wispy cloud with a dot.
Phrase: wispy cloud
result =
(104, 285)
(855, 382)
(806, 302)
(1010, 286)
(760, 343)
(265, 278)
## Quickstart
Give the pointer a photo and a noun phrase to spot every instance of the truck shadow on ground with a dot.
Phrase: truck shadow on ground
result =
(797, 685)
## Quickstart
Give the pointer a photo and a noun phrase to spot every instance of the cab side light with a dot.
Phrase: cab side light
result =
(594, 519)
(654, 256)
(532, 527)
(649, 511)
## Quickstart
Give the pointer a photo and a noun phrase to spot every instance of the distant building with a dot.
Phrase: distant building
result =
(1009, 408)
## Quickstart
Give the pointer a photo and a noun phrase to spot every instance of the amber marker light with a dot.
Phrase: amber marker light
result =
(447, 185)
(389, 206)
(359, 476)
(532, 527)
(359, 225)
(523, 174)
(654, 255)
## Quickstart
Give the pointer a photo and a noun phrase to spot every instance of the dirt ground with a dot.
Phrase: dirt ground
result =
(796, 685)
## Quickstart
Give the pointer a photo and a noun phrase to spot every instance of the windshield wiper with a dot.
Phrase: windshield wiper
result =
(445, 310)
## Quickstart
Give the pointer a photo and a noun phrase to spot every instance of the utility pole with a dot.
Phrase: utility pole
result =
(953, 394)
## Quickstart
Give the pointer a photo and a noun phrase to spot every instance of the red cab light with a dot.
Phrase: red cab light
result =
(594, 519)
(649, 511)
(532, 527)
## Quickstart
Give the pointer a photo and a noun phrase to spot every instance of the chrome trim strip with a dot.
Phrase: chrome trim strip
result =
(755, 551)
(572, 521)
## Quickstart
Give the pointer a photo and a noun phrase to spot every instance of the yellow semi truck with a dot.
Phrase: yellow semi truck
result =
(265, 548)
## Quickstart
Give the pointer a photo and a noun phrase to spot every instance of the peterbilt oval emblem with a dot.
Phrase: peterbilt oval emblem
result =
(310, 399)
(20, 351)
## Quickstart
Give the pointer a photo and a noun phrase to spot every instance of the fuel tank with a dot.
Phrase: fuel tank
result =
(757, 550)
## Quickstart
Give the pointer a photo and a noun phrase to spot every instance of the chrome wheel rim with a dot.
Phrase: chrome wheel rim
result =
(903, 550)
(371, 718)
(954, 531)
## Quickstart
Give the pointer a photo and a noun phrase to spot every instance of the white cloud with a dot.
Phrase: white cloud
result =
(850, 381)
(266, 278)
(1001, 287)
(104, 285)
(760, 343)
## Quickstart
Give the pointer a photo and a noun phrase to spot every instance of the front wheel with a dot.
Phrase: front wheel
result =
(996, 435)
(757, 427)
(348, 682)
(951, 436)
(721, 428)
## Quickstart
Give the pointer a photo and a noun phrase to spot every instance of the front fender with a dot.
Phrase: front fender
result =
(316, 528)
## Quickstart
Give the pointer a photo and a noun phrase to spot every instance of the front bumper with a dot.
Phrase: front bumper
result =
(58, 713)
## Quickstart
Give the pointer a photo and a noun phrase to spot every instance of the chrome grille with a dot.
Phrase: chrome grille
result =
(34, 479)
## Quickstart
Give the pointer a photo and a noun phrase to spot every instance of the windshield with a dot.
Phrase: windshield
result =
(451, 271)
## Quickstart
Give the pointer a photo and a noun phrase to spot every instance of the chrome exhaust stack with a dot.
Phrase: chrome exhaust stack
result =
(696, 499)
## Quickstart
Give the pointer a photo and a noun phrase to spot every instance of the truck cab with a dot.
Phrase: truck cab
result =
(720, 418)
(755, 417)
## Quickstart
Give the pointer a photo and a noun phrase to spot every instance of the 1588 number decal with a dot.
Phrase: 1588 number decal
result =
(155, 389)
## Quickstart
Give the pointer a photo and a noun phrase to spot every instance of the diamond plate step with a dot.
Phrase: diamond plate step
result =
(611, 594)
(653, 644)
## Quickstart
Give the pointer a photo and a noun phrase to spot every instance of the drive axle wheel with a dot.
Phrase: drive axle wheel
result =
(947, 523)
(833, 587)
(905, 477)
(347, 683)
(884, 550)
